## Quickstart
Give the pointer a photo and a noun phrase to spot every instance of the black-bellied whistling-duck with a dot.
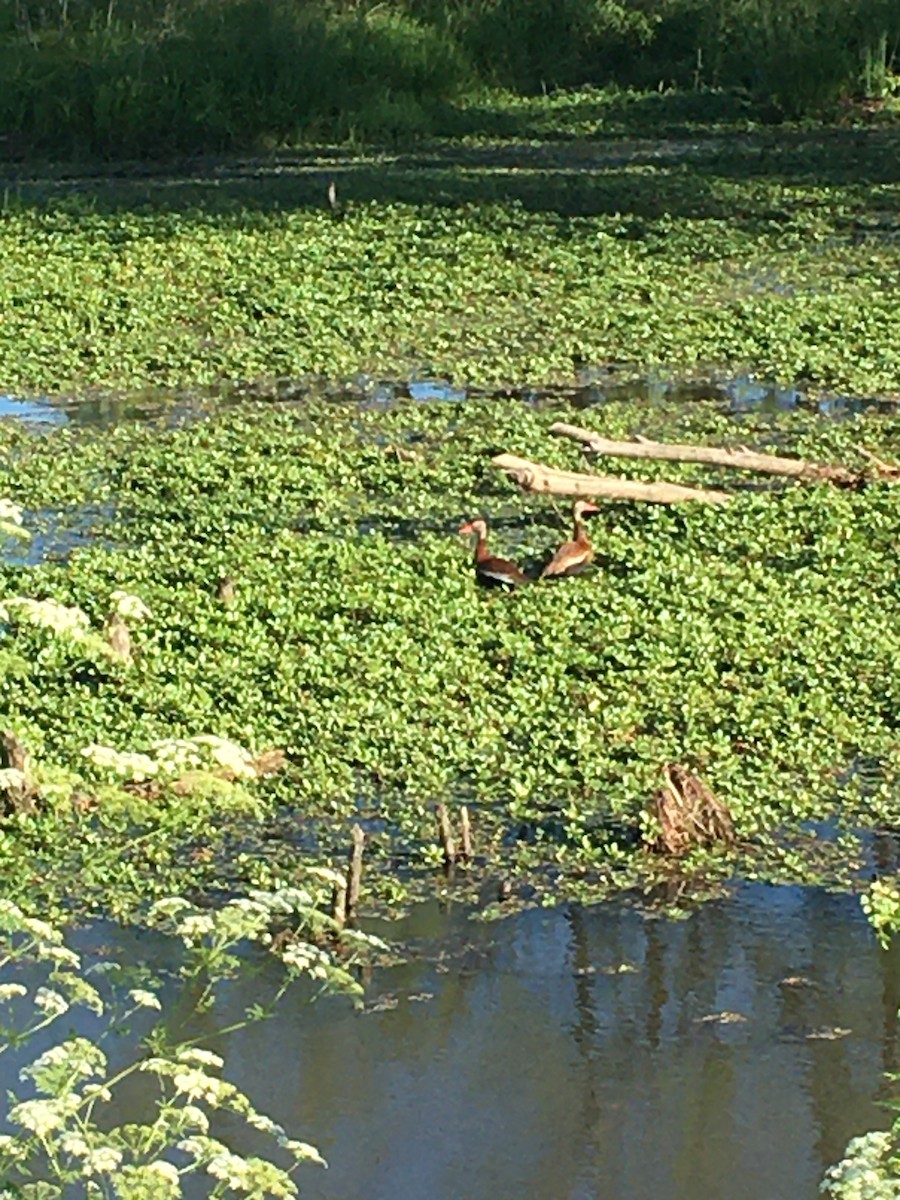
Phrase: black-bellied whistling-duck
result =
(572, 557)
(491, 571)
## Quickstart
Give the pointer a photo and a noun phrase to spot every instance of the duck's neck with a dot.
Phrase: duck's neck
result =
(580, 534)
(481, 548)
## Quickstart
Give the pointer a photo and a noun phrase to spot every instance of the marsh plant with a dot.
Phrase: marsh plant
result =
(64, 1138)
(870, 1168)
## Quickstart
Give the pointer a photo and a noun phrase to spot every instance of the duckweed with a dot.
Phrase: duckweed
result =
(756, 642)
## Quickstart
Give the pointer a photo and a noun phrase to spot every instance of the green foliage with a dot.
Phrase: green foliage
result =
(868, 1170)
(537, 45)
(63, 1141)
(747, 251)
(881, 904)
(213, 76)
(749, 641)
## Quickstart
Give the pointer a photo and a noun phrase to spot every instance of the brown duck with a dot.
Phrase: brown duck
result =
(491, 571)
(572, 557)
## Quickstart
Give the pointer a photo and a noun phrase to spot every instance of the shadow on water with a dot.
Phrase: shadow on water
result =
(595, 172)
(580, 1053)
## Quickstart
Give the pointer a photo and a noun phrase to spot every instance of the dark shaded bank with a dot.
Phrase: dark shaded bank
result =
(100, 78)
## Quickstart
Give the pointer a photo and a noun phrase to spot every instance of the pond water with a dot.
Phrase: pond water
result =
(596, 1053)
(570, 1054)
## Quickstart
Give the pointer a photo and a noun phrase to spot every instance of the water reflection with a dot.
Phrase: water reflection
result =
(572, 1054)
(565, 1054)
(36, 413)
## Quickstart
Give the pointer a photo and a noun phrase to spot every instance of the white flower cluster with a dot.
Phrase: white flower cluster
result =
(48, 614)
(51, 1002)
(144, 999)
(863, 1173)
(61, 1065)
(254, 1176)
(203, 750)
(10, 513)
(43, 1117)
(128, 606)
(12, 779)
(11, 519)
(172, 756)
(124, 763)
(157, 1180)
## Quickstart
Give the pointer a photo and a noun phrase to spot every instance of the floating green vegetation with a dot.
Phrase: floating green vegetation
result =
(755, 642)
(489, 264)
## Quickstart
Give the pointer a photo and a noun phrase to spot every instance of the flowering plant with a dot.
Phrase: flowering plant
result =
(65, 1140)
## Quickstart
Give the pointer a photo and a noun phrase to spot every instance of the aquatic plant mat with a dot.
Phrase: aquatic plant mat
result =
(292, 580)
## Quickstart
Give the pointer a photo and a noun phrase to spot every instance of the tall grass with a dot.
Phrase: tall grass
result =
(216, 74)
(141, 77)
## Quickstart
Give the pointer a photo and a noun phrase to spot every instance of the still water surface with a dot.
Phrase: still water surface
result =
(566, 1055)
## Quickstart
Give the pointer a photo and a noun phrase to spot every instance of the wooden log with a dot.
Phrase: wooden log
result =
(354, 871)
(465, 834)
(446, 832)
(536, 477)
(17, 794)
(740, 459)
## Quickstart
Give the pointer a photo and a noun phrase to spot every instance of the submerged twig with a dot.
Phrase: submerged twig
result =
(446, 833)
(354, 871)
(465, 834)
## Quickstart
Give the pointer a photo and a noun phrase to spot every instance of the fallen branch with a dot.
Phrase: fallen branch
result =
(884, 471)
(354, 872)
(741, 459)
(17, 792)
(536, 477)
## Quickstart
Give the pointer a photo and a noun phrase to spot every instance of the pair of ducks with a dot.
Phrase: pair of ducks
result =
(570, 559)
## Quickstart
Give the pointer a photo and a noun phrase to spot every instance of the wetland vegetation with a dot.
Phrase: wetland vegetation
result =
(236, 615)
(750, 640)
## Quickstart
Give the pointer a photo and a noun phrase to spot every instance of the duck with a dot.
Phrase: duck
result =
(491, 571)
(572, 557)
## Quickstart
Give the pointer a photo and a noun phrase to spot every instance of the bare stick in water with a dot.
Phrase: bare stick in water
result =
(446, 835)
(465, 834)
(354, 871)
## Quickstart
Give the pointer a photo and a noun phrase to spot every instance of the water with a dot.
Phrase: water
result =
(55, 534)
(567, 1055)
(575, 1054)
(595, 385)
(37, 413)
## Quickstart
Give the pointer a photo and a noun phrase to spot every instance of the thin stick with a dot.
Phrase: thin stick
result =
(465, 834)
(536, 477)
(354, 871)
(741, 458)
(339, 903)
(446, 835)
